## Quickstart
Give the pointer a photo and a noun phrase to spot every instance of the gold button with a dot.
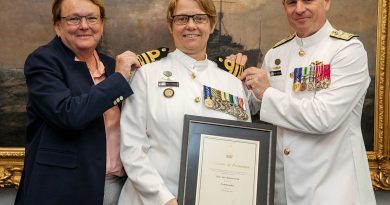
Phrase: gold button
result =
(120, 97)
(115, 103)
(117, 100)
(193, 76)
(197, 99)
(287, 151)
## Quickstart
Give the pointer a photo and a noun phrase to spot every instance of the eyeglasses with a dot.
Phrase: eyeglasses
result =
(76, 20)
(183, 19)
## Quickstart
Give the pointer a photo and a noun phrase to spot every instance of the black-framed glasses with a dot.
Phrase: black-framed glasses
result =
(76, 20)
(183, 19)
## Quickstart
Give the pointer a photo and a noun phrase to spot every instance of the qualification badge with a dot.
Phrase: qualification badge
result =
(168, 92)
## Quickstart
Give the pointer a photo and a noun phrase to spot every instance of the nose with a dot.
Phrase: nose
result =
(84, 23)
(191, 23)
(300, 7)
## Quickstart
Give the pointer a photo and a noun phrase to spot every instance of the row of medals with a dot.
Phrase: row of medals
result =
(213, 100)
(318, 78)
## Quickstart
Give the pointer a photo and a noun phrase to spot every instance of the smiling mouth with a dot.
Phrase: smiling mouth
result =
(84, 35)
(191, 35)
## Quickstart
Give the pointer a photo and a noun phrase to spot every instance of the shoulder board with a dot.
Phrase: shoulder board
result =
(285, 40)
(342, 35)
(152, 55)
(229, 66)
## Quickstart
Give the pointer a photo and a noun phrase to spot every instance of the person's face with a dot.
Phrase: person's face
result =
(192, 37)
(306, 16)
(82, 37)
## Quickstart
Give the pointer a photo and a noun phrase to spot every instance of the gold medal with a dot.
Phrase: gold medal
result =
(209, 103)
(296, 87)
(244, 116)
(310, 86)
(168, 92)
(303, 86)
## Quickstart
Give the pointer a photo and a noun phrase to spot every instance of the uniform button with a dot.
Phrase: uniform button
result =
(193, 76)
(197, 99)
(115, 103)
(120, 97)
(287, 151)
(118, 100)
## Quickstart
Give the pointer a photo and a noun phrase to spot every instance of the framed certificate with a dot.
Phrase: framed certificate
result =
(226, 162)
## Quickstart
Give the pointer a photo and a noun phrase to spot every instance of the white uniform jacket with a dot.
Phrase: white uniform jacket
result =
(321, 158)
(152, 124)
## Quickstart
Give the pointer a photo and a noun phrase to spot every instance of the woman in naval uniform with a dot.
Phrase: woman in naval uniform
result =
(152, 118)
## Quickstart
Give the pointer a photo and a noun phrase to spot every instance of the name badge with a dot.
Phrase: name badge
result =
(168, 84)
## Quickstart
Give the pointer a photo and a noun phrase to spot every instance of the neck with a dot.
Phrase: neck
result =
(198, 56)
(85, 56)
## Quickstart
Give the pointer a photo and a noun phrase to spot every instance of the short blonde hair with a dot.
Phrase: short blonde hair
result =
(206, 5)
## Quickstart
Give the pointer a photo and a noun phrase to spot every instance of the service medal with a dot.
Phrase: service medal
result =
(209, 103)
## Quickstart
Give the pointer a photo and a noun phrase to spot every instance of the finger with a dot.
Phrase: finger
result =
(249, 71)
(244, 60)
(231, 57)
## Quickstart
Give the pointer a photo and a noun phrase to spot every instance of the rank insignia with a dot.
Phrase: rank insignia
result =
(152, 55)
(342, 35)
(229, 66)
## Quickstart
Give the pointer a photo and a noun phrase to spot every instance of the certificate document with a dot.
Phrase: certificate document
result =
(228, 171)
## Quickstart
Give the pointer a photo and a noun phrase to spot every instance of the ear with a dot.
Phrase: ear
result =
(57, 28)
(213, 27)
(327, 4)
(170, 27)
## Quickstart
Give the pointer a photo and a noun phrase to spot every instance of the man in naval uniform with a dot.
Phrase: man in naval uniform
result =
(312, 86)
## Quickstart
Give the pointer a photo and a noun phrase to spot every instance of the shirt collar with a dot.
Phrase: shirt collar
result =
(316, 37)
(189, 62)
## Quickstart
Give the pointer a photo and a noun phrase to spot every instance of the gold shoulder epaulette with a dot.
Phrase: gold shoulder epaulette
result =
(342, 35)
(289, 38)
(229, 66)
(152, 55)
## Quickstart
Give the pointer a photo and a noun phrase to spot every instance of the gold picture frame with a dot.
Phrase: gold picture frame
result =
(11, 159)
(379, 158)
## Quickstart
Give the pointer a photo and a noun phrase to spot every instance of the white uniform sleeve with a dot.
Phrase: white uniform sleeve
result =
(329, 107)
(135, 145)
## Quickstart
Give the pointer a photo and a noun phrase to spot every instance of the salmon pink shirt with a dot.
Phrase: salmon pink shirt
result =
(111, 117)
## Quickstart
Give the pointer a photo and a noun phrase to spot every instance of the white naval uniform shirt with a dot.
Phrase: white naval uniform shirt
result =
(321, 158)
(152, 125)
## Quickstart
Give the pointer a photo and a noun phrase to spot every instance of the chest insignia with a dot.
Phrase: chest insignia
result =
(224, 102)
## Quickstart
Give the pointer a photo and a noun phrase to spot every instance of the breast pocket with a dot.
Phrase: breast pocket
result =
(278, 82)
(57, 158)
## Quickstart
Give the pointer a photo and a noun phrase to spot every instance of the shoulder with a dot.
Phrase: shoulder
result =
(285, 40)
(341, 35)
